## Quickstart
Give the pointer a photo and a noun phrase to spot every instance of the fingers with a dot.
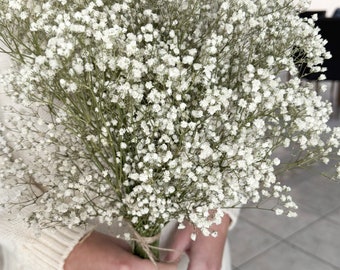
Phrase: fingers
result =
(180, 244)
(206, 253)
(167, 266)
(148, 265)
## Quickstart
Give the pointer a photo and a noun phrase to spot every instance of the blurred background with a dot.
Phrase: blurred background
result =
(328, 5)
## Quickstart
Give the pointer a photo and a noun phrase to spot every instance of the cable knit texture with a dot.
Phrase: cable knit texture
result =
(26, 250)
(22, 248)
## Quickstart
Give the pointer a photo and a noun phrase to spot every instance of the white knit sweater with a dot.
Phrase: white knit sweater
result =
(24, 250)
(21, 247)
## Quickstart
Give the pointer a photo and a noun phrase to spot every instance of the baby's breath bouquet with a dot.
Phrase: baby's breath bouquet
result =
(146, 111)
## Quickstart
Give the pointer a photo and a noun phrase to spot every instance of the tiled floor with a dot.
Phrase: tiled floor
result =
(263, 241)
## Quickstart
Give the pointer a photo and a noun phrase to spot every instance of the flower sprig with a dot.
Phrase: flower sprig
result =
(160, 110)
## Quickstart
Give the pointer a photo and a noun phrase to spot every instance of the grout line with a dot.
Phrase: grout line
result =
(294, 247)
(265, 249)
(332, 220)
(258, 255)
(319, 218)
(262, 229)
(311, 254)
(286, 241)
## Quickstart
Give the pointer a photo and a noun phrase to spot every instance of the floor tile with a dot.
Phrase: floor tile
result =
(294, 177)
(281, 226)
(335, 216)
(318, 194)
(247, 241)
(322, 239)
(285, 257)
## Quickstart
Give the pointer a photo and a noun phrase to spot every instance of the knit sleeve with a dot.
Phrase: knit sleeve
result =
(24, 249)
(47, 249)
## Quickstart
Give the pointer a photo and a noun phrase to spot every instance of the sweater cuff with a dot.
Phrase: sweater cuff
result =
(52, 247)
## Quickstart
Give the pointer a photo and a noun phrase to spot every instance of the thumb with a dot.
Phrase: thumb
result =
(165, 266)
(148, 265)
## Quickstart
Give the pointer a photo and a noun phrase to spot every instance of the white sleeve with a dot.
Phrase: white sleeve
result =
(233, 214)
(21, 244)
(36, 252)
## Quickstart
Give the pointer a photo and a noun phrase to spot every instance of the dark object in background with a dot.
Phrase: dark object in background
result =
(309, 14)
(329, 30)
(336, 13)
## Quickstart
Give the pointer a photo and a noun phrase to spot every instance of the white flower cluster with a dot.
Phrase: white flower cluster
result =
(161, 110)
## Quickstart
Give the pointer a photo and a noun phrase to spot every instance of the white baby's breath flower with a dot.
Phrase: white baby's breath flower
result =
(279, 211)
(193, 236)
(292, 214)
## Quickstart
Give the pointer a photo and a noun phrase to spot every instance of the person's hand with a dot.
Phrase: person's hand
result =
(102, 252)
(205, 253)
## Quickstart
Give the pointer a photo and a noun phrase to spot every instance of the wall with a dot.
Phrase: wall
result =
(328, 5)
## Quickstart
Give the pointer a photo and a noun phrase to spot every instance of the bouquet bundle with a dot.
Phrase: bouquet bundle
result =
(147, 111)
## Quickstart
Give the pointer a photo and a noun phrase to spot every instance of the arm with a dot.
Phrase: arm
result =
(50, 249)
(45, 251)
(66, 249)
